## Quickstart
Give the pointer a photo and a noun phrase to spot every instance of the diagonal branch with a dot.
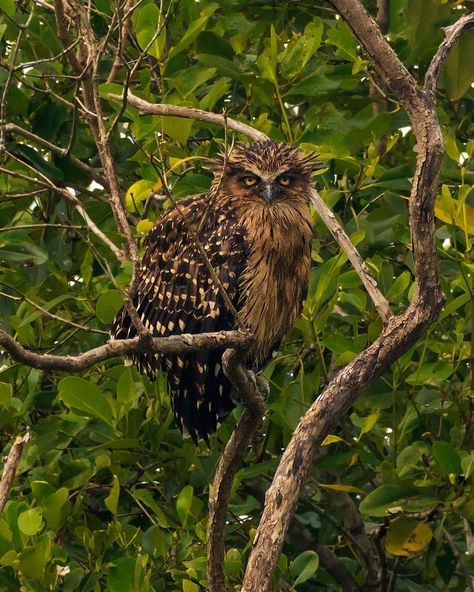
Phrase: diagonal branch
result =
(10, 467)
(452, 34)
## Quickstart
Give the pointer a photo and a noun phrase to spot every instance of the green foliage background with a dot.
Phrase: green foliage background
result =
(109, 496)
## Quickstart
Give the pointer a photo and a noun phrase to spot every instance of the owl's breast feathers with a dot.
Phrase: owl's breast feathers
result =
(262, 259)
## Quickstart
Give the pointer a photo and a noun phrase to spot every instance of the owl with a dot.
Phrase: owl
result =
(254, 226)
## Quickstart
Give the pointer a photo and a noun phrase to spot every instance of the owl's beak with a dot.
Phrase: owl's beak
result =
(269, 193)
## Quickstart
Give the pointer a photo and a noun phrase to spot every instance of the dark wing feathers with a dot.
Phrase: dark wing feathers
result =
(176, 295)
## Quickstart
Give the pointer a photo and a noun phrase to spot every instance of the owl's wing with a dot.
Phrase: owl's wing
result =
(176, 295)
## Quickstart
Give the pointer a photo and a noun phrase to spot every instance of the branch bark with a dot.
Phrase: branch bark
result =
(162, 345)
(10, 467)
(400, 333)
(253, 392)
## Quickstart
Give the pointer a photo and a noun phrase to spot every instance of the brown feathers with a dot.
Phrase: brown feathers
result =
(255, 228)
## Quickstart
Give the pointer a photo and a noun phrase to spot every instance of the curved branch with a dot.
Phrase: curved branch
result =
(352, 253)
(173, 344)
(400, 333)
(253, 393)
(452, 34)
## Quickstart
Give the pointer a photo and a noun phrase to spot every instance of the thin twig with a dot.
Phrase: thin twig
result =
(89, 171)
(10, 467)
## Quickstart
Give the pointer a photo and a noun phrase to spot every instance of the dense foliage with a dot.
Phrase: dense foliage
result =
(109, 496)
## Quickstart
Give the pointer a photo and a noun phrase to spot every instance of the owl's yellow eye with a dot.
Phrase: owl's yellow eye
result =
(249, 180)
(285, 180)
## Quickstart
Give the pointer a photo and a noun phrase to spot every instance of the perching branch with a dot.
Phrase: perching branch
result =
(400, 333)
(174, 344)
(10, 467)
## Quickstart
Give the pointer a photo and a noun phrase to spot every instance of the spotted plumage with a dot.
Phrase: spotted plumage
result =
(255, 227)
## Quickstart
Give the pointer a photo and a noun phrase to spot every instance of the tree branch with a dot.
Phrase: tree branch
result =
(452, 34)
(399, 334)
(174, 344)
(90, 172)
(358, 263)
(10, 467)
(145, 107)
(253, 392)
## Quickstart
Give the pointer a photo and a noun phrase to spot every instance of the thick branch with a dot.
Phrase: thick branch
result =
(400, 333)
(11, 465)
(162, 345)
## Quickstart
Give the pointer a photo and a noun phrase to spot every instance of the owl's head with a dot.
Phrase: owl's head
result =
(265, 172)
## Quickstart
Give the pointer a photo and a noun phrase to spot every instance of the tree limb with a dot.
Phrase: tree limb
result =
(399, 334)
(253, 392)
(173, 344)
(10, 467)
(452, 34)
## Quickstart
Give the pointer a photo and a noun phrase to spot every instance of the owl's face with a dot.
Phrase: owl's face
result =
(267, 173)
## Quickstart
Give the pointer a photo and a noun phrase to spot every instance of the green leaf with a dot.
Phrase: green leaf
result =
(85, 398)
(447, 457)
(458, 72)
(31, 521)
(111, 501)
(184, 503)
(121, 576)
(434, 373)
(146, 496)
(193, 30)
(467, 464)
(304, 567)
(6, 391)
(126, 387)
(398, 287)
(137, 194)
(107, 306)
(147, 21)
(386, 499)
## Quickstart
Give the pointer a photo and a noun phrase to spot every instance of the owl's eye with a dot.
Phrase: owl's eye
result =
(249, 180)
(285, 180)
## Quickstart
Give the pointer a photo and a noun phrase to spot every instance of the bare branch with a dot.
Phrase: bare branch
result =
(452, 34)
(10, 467)
(191, 113)
(173, 344)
